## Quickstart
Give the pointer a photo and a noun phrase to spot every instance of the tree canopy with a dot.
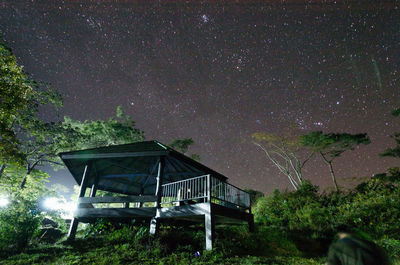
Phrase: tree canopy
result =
(332, 145)
(20, 100)
(182, 145)
(285, 152)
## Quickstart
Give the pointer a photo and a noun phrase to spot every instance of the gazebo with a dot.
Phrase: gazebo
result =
(151, 181)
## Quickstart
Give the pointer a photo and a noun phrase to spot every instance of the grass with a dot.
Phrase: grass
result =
(135, 246)
(177, 245)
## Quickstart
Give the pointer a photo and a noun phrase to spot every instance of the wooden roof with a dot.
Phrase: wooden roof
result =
(132, 168)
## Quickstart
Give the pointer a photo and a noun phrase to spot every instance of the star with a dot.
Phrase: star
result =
(236, 72)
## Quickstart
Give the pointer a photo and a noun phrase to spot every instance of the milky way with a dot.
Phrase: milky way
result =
(219, 72)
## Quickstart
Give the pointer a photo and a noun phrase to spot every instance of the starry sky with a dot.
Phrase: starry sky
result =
(218, 71)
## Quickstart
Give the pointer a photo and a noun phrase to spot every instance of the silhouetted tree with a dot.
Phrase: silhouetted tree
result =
(182, 145)
(332, 145)
(394, 152)
(254, 195)
(285, 152)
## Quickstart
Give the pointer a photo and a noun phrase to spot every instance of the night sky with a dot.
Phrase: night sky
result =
(219, 71)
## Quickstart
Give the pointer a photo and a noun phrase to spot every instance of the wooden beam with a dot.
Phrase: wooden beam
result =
(251, 224)
(196, 164)
(116, 212)
(119, 199)
(82, 189)
(230, 212)
(185, 210)
(154, 223)
(209, 226)
(208, 191)
(113, 155)
(93, 189)
(160, 176)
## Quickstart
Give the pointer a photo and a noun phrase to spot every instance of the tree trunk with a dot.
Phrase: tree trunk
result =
(22, 185)
(28, 171)
(2, 168)
(329, 163)
(333, 176)
(283, 169)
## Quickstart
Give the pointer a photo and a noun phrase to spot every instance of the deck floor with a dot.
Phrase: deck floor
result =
(190, 213)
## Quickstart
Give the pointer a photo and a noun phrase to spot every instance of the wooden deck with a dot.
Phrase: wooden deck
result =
(191, 213)
(197, 200)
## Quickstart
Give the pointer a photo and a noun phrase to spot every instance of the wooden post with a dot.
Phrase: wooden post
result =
(93, 189)
(154, 225)
(82, 190)
(209, 226)
(251, 224)
(140, 205)
(208, 188)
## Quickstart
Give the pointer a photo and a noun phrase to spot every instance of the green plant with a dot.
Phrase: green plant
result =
(19, 223)
(391, 246)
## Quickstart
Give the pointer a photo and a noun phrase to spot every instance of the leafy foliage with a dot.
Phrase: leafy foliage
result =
(396, 112)
(92, 134)
(51, 138)
(332, 145)
(182, 145)
(21, 98)
(254, 195)
(20, 220)
(309, 216)
(19, 223)
(133, 245)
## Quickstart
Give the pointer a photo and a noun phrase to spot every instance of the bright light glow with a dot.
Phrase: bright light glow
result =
(69, 209)
(4, 202)
(52, 204)
(55, 204)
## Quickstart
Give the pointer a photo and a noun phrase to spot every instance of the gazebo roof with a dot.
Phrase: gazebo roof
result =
(132, 168)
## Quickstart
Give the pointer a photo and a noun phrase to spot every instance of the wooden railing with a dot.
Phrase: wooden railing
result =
(198, 189)
(185, 190)
(229, 195)
(205, 188)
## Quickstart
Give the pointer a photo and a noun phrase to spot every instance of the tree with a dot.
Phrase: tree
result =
(20, 100)
(20, 126)
(284, 152)
(182, 145)
(20, 220)
(254, 195)
(74, 135)
(332, 145)
(394, 152)
(92, 134)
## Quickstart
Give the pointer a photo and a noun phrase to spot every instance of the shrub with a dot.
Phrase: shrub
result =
(391, 246)
(19, 223)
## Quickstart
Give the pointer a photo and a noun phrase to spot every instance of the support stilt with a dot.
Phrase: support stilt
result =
(251, 224)
(154, 226)
(72, 229)
(209, 225)
(155, 223)
(82, 190)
